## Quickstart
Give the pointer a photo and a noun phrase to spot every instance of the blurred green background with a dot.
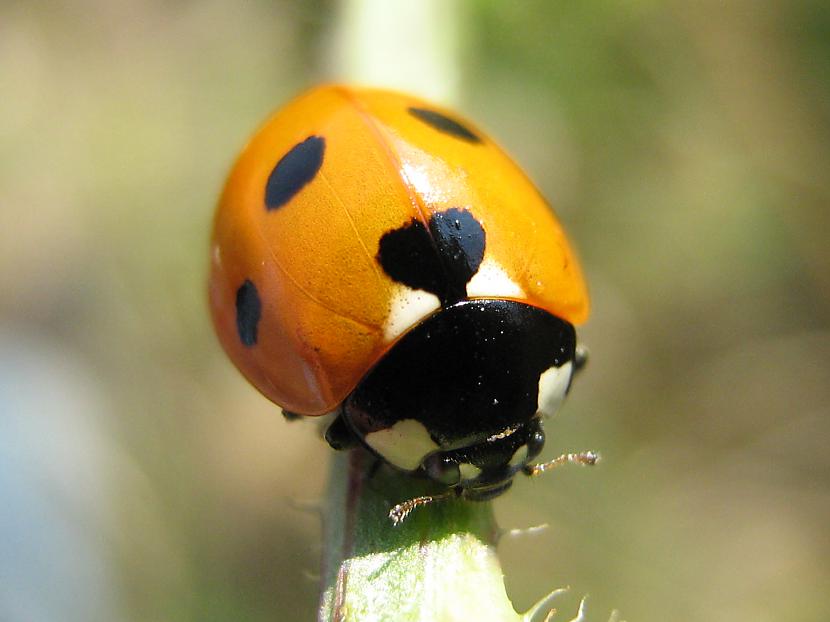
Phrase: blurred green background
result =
(686, 147)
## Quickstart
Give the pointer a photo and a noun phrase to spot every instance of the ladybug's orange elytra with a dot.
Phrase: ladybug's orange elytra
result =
(302, 297)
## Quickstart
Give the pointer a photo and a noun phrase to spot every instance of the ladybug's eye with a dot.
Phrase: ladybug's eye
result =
(442, 469)
(535, 443)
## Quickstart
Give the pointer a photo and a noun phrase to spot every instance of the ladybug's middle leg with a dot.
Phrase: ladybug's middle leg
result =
(340, 436)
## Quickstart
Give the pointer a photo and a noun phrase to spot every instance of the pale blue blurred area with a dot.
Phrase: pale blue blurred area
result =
(57, 477)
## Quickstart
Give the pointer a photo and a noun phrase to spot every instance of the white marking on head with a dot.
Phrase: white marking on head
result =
(553, 383)
(468, 471)
(519, 457)
(492, 281)
(404, 445)
(406, 308)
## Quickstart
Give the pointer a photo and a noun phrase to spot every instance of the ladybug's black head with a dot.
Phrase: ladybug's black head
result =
(485, 470)
(461, 396)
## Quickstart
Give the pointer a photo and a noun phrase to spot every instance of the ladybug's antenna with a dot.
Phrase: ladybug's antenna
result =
(585, 458)
(399, 513)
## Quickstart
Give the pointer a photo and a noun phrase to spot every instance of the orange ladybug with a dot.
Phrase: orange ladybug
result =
(377, 256)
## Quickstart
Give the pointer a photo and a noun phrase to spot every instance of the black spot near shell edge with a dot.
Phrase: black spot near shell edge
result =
(444, 124)
(248, 313)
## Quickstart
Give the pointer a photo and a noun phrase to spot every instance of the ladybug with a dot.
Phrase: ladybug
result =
(378, 257)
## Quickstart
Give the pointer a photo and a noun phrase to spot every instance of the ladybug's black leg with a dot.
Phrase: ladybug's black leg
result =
(373, 470)
(580, 358)
(585, 458)
(340, 436)
(289, 416)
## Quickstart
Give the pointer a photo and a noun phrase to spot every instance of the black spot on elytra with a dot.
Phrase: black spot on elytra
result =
(440, 259)
(248, 312)
(294, 170)
(444, 124)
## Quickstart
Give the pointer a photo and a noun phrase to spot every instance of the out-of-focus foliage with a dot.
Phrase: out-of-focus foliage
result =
(684, 145)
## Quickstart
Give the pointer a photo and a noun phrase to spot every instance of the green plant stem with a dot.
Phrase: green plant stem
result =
(439, 564)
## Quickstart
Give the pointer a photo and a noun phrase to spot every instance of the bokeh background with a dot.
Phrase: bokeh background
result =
(686, 146)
